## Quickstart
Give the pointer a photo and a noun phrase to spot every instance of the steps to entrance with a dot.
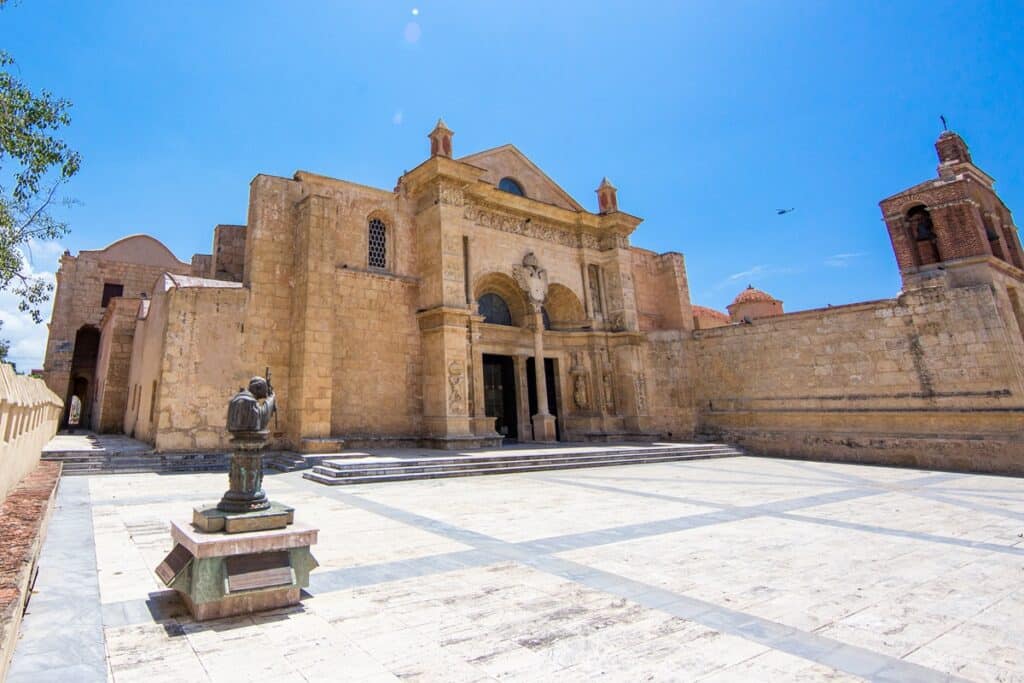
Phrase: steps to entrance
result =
(77, 463)
(373, 469)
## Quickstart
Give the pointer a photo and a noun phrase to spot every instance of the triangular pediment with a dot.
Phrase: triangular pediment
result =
(508, 162)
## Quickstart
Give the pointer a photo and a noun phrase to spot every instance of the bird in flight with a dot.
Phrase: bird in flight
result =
(779, 212)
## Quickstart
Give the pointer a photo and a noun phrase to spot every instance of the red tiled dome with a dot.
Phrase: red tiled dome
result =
(750, 295)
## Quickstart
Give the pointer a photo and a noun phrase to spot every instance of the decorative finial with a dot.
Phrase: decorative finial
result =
(944, 126)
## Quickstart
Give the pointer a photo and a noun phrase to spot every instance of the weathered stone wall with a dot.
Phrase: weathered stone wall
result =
(669, 384)
(202, 265)
(201, 367)
(662, 293)
(135, 262)
(117, 332)
(228, 258)
(29, 415)
(376, 386)
(934, 378)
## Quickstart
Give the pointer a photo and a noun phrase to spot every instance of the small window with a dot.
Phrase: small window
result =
(378, 245)
(494, 310)
(511, 186)
(110, 290)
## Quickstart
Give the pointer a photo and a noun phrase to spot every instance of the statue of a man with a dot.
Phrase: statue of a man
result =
(250, 409)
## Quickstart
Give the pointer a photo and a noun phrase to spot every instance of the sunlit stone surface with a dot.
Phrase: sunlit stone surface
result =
(732, 569)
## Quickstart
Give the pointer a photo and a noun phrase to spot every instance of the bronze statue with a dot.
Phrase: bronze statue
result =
(249, 413)
(250, 409)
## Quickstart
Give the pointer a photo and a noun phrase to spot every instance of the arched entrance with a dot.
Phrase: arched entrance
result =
(83, 372)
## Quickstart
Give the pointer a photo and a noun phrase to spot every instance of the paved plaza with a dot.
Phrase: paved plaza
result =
(733, 569)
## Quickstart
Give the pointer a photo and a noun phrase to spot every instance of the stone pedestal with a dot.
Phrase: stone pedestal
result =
(544, 428)
(226, 574)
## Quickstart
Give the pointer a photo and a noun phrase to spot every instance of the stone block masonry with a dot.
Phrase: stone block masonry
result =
(930, 379)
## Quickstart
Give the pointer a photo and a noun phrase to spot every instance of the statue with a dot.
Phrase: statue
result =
(249, 413)
(250, 409)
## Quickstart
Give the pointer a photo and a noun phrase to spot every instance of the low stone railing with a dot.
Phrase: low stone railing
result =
(29, 416)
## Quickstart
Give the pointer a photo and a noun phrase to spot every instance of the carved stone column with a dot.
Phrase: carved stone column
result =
(534, 281)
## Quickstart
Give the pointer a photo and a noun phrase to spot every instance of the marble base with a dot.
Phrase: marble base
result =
(209, 518)
(246, 603)
(221, 574)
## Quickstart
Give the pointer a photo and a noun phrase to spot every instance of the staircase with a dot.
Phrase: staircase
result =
(373, 469)
(79, 463)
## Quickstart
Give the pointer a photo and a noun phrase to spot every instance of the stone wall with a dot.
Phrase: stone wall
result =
(201, 367)
(377, 383)
(228, 259)
(662, 294)
(117, 332)
(29, 415)
(135, 262)
(186, 363)
(933, 378)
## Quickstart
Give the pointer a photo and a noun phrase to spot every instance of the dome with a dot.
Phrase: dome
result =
(750, 295)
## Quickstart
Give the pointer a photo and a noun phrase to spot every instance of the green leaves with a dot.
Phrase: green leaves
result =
(34, 163)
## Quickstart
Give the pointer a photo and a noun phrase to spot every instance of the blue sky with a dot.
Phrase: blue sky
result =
(706, 115)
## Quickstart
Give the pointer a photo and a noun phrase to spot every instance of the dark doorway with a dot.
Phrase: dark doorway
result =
(549, 380)
(83, 372)
(500, 394)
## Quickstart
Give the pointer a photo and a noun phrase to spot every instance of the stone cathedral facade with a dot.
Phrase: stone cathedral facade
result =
(477, 302)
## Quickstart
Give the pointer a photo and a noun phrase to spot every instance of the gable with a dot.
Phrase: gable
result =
(508, 162)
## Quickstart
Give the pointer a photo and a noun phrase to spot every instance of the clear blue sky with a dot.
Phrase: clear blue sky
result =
(707, 115)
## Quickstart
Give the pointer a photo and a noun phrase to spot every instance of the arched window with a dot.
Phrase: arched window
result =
(511, 186)
(494, 310)
(920, 222)
(378, 244)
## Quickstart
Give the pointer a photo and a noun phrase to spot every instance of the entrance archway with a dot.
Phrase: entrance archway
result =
(83, 373)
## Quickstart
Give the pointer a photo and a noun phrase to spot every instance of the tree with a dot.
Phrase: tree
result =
(34, 164)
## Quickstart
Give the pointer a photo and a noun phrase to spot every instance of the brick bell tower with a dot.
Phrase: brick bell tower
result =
(955, 220)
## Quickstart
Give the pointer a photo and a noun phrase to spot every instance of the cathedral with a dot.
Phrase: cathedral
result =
(477, 303)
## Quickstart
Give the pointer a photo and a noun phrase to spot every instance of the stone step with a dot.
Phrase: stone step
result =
(595, 460)
(427, 464)
(377, 463)
(106, 464)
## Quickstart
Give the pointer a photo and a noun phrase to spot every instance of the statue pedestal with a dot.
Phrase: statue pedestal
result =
(210, 518)
(227, 574)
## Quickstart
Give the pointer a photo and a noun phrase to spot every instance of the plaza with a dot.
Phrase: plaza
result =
(735, 568)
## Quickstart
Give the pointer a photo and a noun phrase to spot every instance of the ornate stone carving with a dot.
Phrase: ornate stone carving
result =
(519, 226)
(579, 382)
(640, 385)
(456, 397)
(453, 196)
(609, 397)
(532, 279)
(606, 380)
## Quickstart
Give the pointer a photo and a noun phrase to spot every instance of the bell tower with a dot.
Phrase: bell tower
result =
(955, 219)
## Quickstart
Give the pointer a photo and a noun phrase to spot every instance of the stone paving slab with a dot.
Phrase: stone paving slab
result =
(722, 570)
